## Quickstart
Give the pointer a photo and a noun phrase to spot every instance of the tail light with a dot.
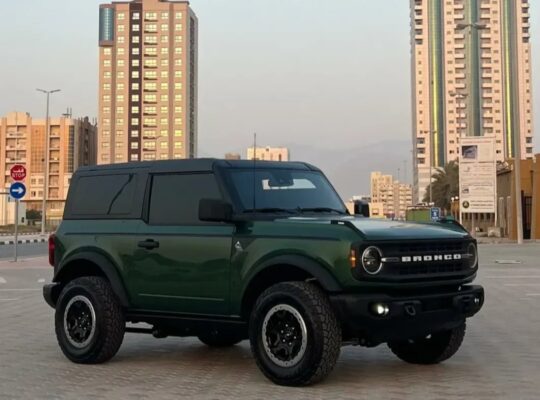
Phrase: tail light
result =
(51, 249)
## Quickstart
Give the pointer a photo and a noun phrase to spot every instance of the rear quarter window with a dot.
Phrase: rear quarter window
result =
(103, 196)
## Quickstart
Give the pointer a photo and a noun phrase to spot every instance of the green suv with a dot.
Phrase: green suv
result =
(266, 251)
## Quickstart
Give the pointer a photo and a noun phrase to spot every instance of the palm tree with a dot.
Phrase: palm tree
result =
(445, 185)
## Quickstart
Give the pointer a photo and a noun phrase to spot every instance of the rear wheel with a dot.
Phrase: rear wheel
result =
(294, 334)
(220, 339)
(89, 321)
(431, 349)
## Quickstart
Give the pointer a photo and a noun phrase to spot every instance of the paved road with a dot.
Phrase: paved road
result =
(24, 250)
(500, 358)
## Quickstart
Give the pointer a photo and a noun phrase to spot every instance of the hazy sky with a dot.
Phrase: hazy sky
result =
(328, 79)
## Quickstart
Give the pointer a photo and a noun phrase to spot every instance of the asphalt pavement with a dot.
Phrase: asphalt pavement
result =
(499, 359)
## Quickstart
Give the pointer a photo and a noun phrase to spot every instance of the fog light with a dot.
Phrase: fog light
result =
(476, 300)
(380, 309)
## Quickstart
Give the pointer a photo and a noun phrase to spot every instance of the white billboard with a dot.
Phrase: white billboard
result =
(477, 174)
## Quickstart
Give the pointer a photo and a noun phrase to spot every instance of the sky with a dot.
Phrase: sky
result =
(328, 79)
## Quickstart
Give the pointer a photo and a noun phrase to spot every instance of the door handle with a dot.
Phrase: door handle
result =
(148, 244)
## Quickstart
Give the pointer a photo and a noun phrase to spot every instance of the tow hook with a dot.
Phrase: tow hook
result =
(410, 309)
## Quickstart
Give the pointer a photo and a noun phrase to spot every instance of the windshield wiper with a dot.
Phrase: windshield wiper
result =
(321, 209)
(269, 210)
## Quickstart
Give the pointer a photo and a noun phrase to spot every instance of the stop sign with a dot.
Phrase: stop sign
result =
(18, 172)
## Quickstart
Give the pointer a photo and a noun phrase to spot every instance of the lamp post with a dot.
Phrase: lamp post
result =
(459, 96)
(46, 158)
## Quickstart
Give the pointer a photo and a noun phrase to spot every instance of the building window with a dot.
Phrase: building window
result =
(121, 39)
(178, 110)
(178, 121)
(178, 39)
(150, 63)
(150, 86)
(178, 133)
(134, 157)
(178, 15)
(107, 51)
(165, 63)
(106, 86)
(120, 98)
(119, 121)
(178, 97)
(120, 75)
(164, 97)
(164, 27)
(135, 51)
(135, 97)
(164, 132)
(121, 28)
(134, 145)
(120, 51)
(178, 86)
(134, 134)
(135, 74)
(177, 74)
(150, 122)
(150, 74)
(119, 110)
(164, 15)
(150, 39)
(136, 16)
(163, 145)
(136, 28)
(164, 86)
(135, 63)
(164, 74)
(178, 50)
(150, 28)
(106, 98)
(150, 16)
(178, 62)
(106, 110)
(164, 121)
(164, 39)
(164, 50)
(150, 98)
(178, 145)
(136, 39)
(106, 63)
(149, 110)
(106, 121)
(150, 51)
(164, 109)
(120, 86)
(120, 63)
(134, 121)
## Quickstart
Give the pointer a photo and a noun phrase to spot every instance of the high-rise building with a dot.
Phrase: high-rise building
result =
(471, 75)
(147, 81)
(72, 143)
(268, 153)
(389, 198)
(232, 156)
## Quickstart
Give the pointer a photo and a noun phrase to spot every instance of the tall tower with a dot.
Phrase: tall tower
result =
(147, 81)
(471, 75)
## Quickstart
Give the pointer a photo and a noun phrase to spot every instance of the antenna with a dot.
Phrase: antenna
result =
(254, 168)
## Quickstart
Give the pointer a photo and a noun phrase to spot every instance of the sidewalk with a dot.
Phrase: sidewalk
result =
(30, 262)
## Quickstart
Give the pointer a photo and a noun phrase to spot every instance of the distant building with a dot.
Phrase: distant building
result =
(72, 143)
(268, 153)
(147, 81)
(471, 75)
(232, 156)
(389, 198)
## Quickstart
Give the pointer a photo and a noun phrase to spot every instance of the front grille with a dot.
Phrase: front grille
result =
(419, 260)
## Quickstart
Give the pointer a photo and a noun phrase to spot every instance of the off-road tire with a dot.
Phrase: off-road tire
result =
(435, 349)
(109, 321)
(220, 339)
(323, 333)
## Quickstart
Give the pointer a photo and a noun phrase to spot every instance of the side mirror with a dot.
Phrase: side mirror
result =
(214, 210)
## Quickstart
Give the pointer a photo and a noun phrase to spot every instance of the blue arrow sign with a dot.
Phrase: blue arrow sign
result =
(435, 213)
(17, 190)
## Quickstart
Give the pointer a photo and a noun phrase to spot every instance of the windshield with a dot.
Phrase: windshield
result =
(283, 190)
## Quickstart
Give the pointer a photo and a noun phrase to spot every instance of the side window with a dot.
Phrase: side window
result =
(174, 199)
(103, 195)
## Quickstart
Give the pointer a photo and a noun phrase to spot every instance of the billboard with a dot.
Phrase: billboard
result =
(477, 174)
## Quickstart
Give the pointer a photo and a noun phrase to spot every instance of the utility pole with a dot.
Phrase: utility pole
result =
(46, 160)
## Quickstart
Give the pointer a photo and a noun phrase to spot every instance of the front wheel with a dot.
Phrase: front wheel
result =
(89, 321)
(431, 349)
(294, 334)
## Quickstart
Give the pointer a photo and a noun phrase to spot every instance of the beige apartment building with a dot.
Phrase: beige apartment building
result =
(471, 75)
(72, 143)
(389, 198)
(268, 153)
(147, 81)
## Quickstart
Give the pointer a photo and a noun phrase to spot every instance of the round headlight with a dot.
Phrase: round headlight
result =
(372, 260)
(472, 254)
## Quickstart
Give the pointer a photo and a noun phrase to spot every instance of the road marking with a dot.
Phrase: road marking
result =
(41, 280)
(507, 262)
(9, 299)
(533, 294)
(19, 290)
(2, 280)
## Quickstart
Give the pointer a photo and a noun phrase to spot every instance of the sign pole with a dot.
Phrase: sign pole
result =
(16, 228)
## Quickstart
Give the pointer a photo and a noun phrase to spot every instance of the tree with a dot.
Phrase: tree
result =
(445, 185)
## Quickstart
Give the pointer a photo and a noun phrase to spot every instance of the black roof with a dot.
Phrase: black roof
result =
(197, 165)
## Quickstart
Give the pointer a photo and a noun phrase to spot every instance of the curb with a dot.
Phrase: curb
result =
(23, 241)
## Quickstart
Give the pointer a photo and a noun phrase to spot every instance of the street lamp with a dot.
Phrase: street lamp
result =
(46, 158)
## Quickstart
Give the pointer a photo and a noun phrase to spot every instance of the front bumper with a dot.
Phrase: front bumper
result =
(408, 316)
(51, 292)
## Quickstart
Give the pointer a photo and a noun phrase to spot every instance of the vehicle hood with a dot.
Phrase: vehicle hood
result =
(383, 229)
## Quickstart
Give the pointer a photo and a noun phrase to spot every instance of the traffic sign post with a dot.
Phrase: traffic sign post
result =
(18, 172)
(435, 213)
(17, 190)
